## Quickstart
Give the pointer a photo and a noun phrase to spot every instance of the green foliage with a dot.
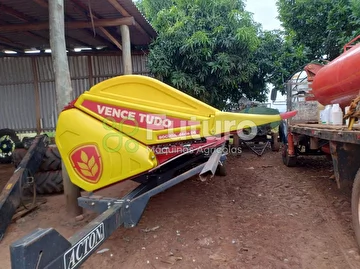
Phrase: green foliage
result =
(210, 50)
(214, 51)
(151, 8)
(289, 59)
(321, 27)
(355, 5)
(277, 59)
(314, 30)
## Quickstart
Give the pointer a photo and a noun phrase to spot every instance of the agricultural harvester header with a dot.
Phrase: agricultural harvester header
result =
(130, 127)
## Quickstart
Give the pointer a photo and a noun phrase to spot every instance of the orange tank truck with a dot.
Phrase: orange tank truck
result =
(337, 82)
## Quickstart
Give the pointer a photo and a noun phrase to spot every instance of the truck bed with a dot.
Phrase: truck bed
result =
(328, 132)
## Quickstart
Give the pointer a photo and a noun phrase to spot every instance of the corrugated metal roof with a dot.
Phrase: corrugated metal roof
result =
(13, 12)
(132, 9)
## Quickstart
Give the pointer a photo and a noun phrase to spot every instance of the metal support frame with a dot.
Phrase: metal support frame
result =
(258, 149)
(291, 147)
(46, 248)
(210, 167)
(345, 162)
(10, 197)
(344, 149)
(340, 135)
(303, 146)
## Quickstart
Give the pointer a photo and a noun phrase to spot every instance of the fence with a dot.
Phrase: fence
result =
(27, 86)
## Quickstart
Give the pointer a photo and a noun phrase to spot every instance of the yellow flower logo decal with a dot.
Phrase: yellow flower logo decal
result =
(87, 163)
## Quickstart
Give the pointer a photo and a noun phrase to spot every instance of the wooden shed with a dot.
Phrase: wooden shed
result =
(96, 34)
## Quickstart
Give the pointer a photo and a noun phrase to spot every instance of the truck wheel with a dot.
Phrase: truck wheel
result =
(289, 161)
(275, 144)
(49, 182)
(51, 160)
(283, 132)
(8, 140)
(355, 207)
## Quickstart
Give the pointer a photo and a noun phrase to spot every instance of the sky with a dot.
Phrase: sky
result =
(265, 12)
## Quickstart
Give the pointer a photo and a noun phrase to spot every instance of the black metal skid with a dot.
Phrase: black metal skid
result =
(10, 197)
(46, 248)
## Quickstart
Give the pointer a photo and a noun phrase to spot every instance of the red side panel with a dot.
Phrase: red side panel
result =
(165, 152)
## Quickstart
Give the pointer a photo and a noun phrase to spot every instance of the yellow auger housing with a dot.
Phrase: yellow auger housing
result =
(108, 133)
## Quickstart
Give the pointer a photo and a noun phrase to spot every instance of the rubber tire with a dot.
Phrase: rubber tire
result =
(17, 156)
(283, 132)
(49, 182)
(51, 160)
(289, 161)
(355, 198)
(275, 144)
(13, 137)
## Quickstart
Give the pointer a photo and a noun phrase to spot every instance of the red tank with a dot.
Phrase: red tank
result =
(339, 80)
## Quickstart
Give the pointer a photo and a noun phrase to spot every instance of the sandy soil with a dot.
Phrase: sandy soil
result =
(261, 215)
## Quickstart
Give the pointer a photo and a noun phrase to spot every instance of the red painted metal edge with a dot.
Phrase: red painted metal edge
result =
(288, 115)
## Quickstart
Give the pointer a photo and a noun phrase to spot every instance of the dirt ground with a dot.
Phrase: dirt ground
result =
(261, 215)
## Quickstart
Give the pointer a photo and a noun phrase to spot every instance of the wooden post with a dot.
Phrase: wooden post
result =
(126, 49)
(63, 89)
(37, 95)
(91, 75)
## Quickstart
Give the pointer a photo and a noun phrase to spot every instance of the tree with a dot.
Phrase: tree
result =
(313, 31)
(355, 5)
(206, 49)
(321, 27)
(278, 59)
(152, 7)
